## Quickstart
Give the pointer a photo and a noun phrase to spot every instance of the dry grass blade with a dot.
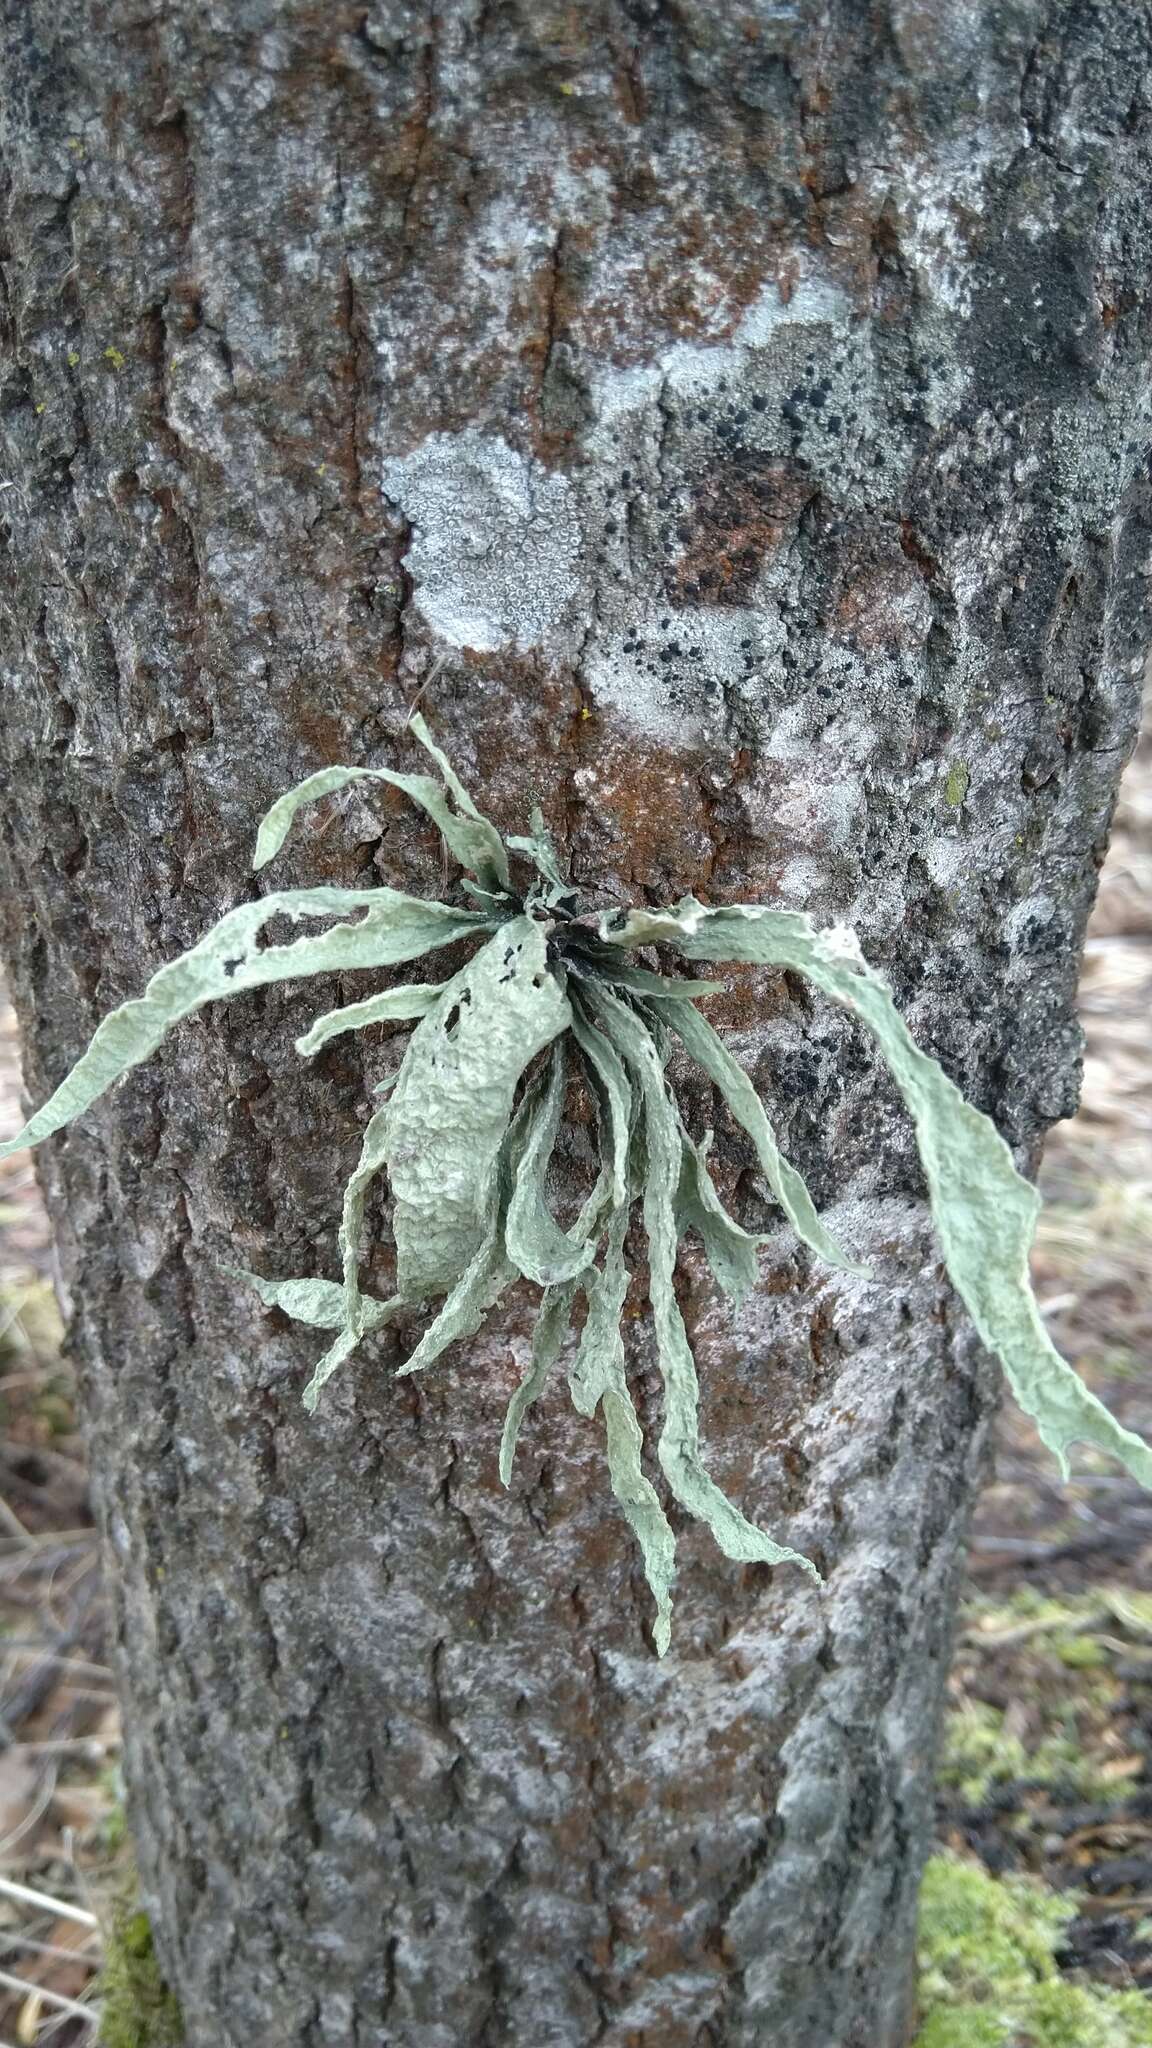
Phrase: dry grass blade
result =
(50, 1948)
(78, 1667)
(72, 2006)
(62, 1908)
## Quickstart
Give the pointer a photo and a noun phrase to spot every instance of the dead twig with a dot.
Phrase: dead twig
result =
(63, 1908)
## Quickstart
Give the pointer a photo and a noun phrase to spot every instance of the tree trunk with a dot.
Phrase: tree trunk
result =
(735, 422)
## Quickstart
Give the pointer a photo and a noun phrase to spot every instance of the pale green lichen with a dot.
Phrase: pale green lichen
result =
(988, 1971)
(468, 1135)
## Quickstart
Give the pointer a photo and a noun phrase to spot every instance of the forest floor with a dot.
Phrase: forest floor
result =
(1047, 1770)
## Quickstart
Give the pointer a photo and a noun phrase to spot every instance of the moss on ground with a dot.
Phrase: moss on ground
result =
(988, 1971)
(1037, 1699)
(981, 1754)
(137, 2010)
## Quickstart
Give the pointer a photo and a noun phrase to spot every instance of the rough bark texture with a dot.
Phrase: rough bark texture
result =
(747, 409)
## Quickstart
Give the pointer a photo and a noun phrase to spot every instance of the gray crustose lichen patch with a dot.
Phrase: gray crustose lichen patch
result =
(495, 539)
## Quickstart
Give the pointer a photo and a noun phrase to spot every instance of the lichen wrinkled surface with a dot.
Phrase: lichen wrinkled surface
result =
(468, 1133)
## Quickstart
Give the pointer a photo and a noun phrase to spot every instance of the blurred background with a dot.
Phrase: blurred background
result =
(1037, 1925)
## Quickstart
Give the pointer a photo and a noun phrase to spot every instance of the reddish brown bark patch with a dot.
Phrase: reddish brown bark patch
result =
(738, 522)
(879, 601)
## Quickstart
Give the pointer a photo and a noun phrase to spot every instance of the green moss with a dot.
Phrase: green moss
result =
(980, 1754)
(956, 784)
(1053, 1659)
(988, 1973)
(137, 2008)
(1027, 1603)
(1080, 1653)
(29, 1315)
(1132, 1610)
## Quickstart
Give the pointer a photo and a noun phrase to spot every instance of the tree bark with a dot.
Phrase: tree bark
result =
(735, 422)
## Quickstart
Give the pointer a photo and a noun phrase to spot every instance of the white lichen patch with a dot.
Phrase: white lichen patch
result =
(506, 553)
(673, 672)
(496, 539)
(825, 813)
(1032, 913)
(840, 945)
(802, 879)
(692, 368)
(947, 858)
(879, 906)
